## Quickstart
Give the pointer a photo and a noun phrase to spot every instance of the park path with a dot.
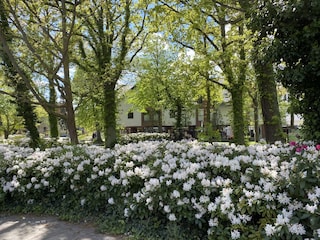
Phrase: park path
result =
(31, 227)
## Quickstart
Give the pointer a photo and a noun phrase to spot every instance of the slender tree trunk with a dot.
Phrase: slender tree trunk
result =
(292, 120)
(256, 117)
(160, 121)
(53, 120)
(110, 114)
(179, 135)
(208, 105)
(6, 134)
(6, 130)
(98, 139)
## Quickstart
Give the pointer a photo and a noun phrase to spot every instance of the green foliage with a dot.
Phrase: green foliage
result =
(166, 79)
(208, 134)
(295, 50)
(89, 97)
(9, 121)
(171, 190)
(216, 33)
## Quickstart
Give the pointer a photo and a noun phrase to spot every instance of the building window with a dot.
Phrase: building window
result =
(130, 115)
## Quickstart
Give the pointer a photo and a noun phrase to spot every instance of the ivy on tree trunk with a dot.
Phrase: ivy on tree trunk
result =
(21, 94)
(110, 114)
(269, 101)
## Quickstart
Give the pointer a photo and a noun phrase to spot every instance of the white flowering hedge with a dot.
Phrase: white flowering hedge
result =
(142, 136)
(215, 191)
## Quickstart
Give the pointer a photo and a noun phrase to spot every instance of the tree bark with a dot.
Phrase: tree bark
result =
(160, 121)
(208, 107)
(53, 120)
(256, 117)
(70, 118)
(238, 119)
(269, 101)
(179, 134)
(110, 114)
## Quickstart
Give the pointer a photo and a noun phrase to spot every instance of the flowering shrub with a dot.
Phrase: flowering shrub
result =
(142, 136)
(215, 191)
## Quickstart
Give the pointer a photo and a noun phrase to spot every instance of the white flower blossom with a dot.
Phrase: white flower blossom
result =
(205, 182)
(34, 179)
(167, 209)
(111, 201)
(283, 198)
(213, 222)
(235, 234)
(311, 208)
(172, 217)
(175, 194)
(270, 230)
(297, 228)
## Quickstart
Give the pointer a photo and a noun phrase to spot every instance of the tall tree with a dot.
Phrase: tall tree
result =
(45, 29)
(221, 24)
(294, 26)
(297, 49)
(89, 101)
(21, 92)
(113, 31)
(265, 75)
(165, 80)
(151, 68)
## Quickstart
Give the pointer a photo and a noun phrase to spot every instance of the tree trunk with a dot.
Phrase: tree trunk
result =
(53, 125)
(160, 121)
(98, 138)
(238, 119)
(26, 110)
(269, 101)
(208, 104)
(70, 118)
(237, 96)
(236, 79)
(110, 114)
(179, 133)
(6, 134)
(53, 120)
(292, 120)
(256, 117)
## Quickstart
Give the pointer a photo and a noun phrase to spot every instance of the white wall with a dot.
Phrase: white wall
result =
(124, 109)
(166, 119)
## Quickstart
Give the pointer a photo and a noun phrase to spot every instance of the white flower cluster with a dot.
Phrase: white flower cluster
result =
(142, 136)
(217, 185)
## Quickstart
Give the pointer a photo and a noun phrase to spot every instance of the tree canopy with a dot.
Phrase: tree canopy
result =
(294, 27)
(45, 42)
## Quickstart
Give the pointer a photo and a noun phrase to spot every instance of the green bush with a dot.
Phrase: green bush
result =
(173, 190)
